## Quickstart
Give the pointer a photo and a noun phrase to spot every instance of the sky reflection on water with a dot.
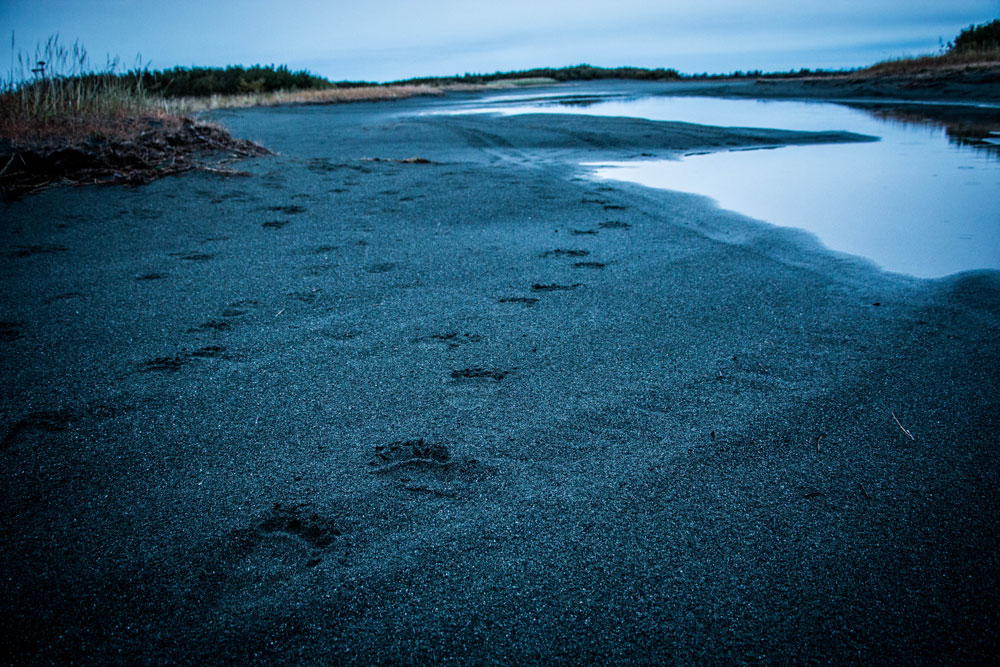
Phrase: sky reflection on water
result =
(924, 201)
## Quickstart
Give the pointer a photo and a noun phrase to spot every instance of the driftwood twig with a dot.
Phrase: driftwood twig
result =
(909, 435)
(11, 160)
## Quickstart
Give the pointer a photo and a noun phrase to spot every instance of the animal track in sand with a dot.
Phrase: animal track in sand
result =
(287, 526)
(306, 296)
(238, 308)
(403, 451)
(211, 325)
(316, 531)
(480, 373)
(452, 339)
(229, 317)
(615, 224)
(11, 331)
(422, 466)
(381, 267)
(43, 422)
(238, 195)
(554, 287)
(209, 352)
(288, 209)
(524, 300)
(37, 249)
(171, 364)
(563, 252)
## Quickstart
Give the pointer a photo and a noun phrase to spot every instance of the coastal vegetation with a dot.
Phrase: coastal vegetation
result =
(136, 122)
(61, 121)
(977, 46)
(984, 37)
(56, 91)
(232, 80)
(551, 74)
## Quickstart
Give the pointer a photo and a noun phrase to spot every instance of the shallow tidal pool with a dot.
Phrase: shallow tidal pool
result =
(924, 200)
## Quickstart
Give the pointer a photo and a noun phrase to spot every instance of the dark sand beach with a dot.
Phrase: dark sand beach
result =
(479, 408)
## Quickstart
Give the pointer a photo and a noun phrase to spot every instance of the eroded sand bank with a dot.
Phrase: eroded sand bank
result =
(482, 409)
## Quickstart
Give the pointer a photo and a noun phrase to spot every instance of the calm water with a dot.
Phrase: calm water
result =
(924, 200)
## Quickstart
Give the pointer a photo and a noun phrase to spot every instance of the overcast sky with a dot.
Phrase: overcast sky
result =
(393, 39)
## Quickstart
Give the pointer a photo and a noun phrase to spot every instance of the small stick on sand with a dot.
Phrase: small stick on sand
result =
(762, 367)
(8, 164)
(279, 312)
(864, 491)
(819, 439)
(910, 435)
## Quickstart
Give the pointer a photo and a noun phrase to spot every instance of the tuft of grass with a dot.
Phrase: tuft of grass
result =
(958, 60)
(62, 122)
(185, 105)
(57, 93)
(976, 47)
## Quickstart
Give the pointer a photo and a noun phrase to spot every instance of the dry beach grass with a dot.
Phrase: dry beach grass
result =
(280, 97)
(62, 122)
(69, 124)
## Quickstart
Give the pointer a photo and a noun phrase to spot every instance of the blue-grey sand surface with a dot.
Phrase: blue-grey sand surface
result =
(482, 408)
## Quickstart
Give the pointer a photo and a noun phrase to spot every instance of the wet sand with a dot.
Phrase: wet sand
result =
(482, 409)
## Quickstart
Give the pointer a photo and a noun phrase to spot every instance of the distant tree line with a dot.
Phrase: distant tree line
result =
(232, 80)
(574, 73)
(983, 37)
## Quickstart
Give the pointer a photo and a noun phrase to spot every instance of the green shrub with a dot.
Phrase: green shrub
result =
(232, 80)
(984, 37)
(574, 73)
